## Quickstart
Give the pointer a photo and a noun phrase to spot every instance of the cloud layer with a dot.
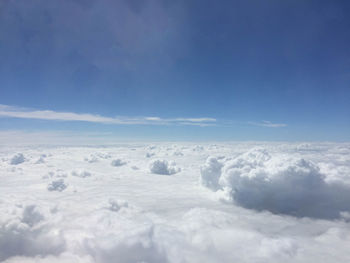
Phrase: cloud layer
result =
(291, 203)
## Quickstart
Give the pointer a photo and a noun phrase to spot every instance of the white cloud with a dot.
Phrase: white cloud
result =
(268, 124)
(118, 162)
(134, 216)
(57, 185)
(281, 185)
(163, 167)
(153, 119)
(24, 113)
(17, 159)
(25, 230)
(210, 173)
(195, 119)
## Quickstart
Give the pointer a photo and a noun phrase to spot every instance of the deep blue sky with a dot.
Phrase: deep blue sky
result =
(240, 62)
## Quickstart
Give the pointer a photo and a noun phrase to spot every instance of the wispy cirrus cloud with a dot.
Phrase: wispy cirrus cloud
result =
(268, 124)
(24, 113)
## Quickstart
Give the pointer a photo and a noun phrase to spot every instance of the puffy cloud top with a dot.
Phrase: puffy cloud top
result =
(281, 185)
(17, 159)
(163, 167)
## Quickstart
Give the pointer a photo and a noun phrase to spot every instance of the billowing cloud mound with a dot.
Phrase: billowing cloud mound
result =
(17, 159)
(284, 185)
(25, 231)
(118, 162)
(163, 167)
(40, 160)
(91, 159)
(150, 154)
(81, 173)
(210, 173)
(116, 205)
(57, 185)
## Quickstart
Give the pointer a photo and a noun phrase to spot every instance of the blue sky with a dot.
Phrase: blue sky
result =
(204, 70)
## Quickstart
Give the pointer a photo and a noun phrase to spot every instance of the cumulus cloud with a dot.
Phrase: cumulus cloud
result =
(23, 113)
(150, 154)
(138, 244)
(25, 231)
(17, 159)
(116, 205)
(91, 159)
(178, 153)
(81, 173)
(163, 167)
(40, 160)
(118, 162)
(210, 173)
(57, 185)
(292, 186)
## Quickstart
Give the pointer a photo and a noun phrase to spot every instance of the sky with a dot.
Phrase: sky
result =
(177, 70)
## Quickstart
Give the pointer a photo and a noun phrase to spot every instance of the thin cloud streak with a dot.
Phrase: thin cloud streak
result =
(268, 124)
(23, 113)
